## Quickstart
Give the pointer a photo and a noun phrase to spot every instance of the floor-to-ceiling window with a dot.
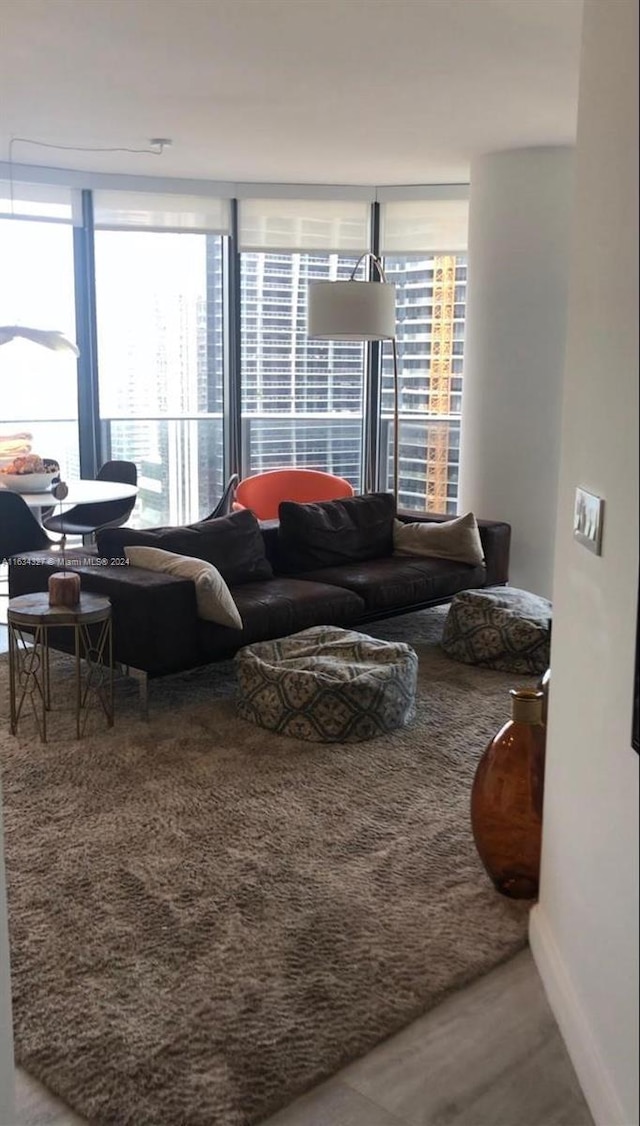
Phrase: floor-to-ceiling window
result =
(165, 303)
(159, 307)
(302, 399)
(431, 287)
(430, 318)
(38, 387)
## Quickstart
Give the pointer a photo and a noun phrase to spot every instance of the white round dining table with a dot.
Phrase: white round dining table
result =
(80, 492)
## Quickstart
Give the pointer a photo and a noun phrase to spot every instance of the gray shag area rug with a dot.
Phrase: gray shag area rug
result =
(207, 919)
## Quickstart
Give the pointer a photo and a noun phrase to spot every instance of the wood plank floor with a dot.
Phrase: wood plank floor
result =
(490, 1055)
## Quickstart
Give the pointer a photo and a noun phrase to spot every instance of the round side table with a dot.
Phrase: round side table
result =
(29, 620)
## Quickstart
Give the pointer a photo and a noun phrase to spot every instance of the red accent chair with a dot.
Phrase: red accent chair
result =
(263, 492)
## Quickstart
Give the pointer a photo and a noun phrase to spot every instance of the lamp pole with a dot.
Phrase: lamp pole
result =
(375, 261)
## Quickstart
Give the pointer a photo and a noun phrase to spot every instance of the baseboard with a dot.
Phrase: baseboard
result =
(586, 1057)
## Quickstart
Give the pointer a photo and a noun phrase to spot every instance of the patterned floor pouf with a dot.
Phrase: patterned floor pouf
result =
(327, 685)
(500, 628)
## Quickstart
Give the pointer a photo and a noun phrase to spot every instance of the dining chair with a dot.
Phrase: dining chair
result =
(19, 529)
(263, 492)
(223, 507)
(85, 519)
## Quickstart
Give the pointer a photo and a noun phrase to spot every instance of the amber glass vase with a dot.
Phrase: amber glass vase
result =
(544, 686)
(506, 799)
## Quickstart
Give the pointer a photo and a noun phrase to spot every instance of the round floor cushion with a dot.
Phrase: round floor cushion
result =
(327, 685)
(500, 628)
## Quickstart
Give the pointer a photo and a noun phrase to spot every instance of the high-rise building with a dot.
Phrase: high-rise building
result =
(430, 317)
(302, 399)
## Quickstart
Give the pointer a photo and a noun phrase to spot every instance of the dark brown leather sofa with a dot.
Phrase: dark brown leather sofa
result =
(347, 577)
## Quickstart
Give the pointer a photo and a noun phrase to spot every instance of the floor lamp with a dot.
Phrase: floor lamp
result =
(47, 337)
(359, 310)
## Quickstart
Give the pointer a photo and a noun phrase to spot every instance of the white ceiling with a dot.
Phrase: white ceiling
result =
(297, 91)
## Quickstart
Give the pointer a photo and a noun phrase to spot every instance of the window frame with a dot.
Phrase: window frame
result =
(235, 455)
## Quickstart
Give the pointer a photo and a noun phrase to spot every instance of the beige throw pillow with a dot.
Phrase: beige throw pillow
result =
(213, 597)
(458, 540)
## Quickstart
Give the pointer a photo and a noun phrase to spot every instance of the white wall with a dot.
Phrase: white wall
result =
(519, 223)
(584, 931)
(6, 1042)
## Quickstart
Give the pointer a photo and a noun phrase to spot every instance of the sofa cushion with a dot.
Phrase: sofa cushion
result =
(457, 539)
(232, 543)
(331, 533)
(277, 608)
(213, 597)
(395, 583)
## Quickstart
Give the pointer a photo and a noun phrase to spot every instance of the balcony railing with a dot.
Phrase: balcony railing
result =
(180, 459)
(181, 464)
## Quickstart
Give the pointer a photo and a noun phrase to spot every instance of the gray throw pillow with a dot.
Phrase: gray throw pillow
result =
(213, 597)
(457, 540)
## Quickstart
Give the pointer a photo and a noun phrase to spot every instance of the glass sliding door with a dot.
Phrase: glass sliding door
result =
(160, 362)
(302, 399)
(38, 387)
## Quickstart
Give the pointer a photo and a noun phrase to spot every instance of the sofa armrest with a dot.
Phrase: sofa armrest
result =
(154, 615)
(495, 536)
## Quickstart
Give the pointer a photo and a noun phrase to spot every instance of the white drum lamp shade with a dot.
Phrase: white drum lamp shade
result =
(352, 310)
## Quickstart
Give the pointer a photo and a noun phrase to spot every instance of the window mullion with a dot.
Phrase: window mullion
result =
(371, 397)
(90, 444)
(235, 457)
